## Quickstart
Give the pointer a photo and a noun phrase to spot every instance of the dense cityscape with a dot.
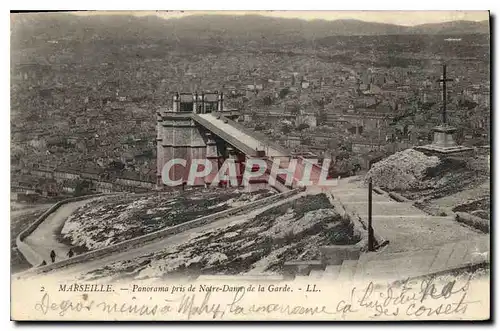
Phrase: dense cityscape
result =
(349, 98)
(160, 154)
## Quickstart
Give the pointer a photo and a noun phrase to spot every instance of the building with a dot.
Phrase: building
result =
(306, 119)
(180, 137)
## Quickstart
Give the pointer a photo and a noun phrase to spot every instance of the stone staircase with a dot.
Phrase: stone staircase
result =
(404, 226)
(384, 267)
(391, 267)
(418, 244)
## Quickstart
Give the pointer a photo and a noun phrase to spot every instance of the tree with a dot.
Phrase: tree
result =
(295, 110)
(116, 166)
(292, 107)
(254, 116)
(307, 141)
(286, 129)
(284, 92)
(267, 100)
(82, 187)
(303, 126)
(322, 117)
(467, 104)
(346, 146)
(260, 127)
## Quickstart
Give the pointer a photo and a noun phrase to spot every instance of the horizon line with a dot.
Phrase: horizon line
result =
(399, 18)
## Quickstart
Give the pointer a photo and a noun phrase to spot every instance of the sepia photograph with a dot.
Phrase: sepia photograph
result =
(258, 165)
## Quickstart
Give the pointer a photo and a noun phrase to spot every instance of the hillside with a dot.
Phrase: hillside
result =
(119, 218)
(260, 244)
(455, 27)
(27, 29)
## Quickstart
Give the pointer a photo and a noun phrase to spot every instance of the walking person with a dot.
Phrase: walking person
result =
(70, 253)
(53, 256)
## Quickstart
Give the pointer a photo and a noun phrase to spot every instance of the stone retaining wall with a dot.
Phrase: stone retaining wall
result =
(336, 254)
(473, 221)
(398, 197)
(140, 241)
(29, 253)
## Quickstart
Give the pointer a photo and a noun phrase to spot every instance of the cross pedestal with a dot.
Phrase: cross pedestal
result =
(443, 136)
(443, 143)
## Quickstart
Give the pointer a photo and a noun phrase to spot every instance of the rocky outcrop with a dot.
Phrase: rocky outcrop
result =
(402, 171)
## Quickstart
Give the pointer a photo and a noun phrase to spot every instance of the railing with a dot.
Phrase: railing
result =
(228, 138)
(259, 136)
(172, 114)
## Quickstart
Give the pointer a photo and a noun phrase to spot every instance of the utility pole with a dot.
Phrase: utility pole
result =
(371, 239)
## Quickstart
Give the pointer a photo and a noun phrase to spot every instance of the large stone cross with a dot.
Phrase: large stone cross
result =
(444, 80)
(443, 143)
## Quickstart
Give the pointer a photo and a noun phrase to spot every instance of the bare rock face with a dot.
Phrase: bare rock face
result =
(215, 258)
(287, 225)
(311, 220)
(114, 219)
(261, 244)
(280, 226)
(481, 213)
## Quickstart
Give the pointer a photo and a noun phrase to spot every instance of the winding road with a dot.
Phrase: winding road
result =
(44, 239)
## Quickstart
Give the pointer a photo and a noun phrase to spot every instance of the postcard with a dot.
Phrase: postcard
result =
(250, 166)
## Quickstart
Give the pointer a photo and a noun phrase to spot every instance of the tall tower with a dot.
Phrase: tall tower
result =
(179, 137)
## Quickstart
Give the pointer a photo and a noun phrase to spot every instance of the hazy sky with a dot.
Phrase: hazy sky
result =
(394, 17)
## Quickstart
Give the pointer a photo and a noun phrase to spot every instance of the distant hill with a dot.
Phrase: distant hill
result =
(455, 27)
(28, 28)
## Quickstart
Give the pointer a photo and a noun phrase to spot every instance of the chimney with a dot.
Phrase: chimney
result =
(195, 102)
(203, 102)
(175, 102)
(220, 103)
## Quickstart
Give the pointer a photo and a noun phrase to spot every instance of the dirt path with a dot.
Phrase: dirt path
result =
(462, 197)
(44, 239)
